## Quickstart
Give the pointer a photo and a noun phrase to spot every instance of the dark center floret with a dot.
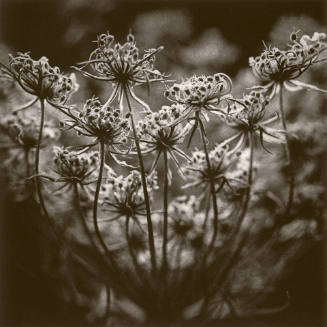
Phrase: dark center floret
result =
(127, 209)
(165, 140)
(181, 226)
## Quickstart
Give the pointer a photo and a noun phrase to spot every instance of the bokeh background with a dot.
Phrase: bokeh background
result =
(199, 37)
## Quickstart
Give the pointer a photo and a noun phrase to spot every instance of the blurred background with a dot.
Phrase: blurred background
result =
(199, 37)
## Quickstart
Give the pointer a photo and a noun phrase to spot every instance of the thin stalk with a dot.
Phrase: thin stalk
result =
(82, 217)
(239, 245)
(26, 158)
(248, 190)
(145, 190)
(95, 203)
(165, 216)
(131, 251)
(288, 155)
(212, 185)
(37, 166)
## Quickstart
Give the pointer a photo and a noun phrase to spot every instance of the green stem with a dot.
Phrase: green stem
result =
(165, 216)
(145, 190)
(288, 155)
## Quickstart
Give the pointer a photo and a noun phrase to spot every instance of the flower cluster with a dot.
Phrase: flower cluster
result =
(157, 132)
(103, 122)
(198, 173)
(277, 67)
(75, 167)
(200, 91)
(247, 115)
(124, 196)
(37, 77)
(121, 64)
(161, 254)
(23, 131)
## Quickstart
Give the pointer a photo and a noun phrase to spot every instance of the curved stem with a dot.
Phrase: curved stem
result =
(82, 217)
(212, 186)
(165, 216)
(288, 155)
(132, 253)
(238, 245)
(37, 166)
(248, 190)
(145, 190)
(95, 203)
(25, 106)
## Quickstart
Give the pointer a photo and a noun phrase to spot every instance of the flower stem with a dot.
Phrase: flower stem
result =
(145, 190)
(248, 190)
(37, 167)
(288, 155)
(95, 203)
(27, 163)
(238, 244)
(212, 186)
(82, 217)
(132, 253)
(165, 216)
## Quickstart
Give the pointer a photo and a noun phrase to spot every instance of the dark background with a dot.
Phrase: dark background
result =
(40, 26)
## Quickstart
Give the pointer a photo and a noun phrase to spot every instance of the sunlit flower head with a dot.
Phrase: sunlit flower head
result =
(121, 64)
(104, 123)
(197, 172)
(38, 78)
(200, 93)
(247, 115)
(123, 196)
(24, 131)
(276, 67)
(157, 133)
(74, 167)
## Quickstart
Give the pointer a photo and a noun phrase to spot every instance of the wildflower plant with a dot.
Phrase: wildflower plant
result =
(159, 134)
(278, 68)
(74, 167)
(123, 196)
(173, 252)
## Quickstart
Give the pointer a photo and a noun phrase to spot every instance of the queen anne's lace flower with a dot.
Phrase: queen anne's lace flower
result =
(124, 196)
(197, 173)
(157, 133)
(247, 115)
(121, 64)
(200, 93)
(276, 67)
(23, 131)
(75, 167)
(102, 122)
(38, 78)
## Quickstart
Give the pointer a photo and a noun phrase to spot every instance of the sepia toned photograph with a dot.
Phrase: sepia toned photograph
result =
(163, 163)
